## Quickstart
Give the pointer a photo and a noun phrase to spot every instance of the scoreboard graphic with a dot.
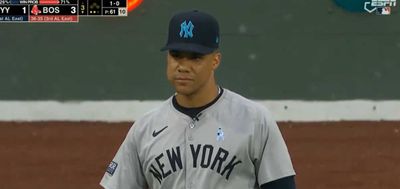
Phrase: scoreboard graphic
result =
(62, 11)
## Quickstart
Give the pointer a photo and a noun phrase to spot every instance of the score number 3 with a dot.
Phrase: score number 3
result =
(73, 10)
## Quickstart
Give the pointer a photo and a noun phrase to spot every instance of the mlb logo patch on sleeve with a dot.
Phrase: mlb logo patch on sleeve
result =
(111, 168)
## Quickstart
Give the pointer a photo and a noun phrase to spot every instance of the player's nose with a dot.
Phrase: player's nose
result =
(183, 65)
(182, 69)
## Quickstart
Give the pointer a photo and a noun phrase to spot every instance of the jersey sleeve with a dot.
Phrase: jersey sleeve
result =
(125, 170)
(273, 160)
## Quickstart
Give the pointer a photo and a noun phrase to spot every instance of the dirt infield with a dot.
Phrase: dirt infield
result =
(74, 155)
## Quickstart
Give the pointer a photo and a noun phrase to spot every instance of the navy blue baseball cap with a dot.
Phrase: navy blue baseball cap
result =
(193, 31)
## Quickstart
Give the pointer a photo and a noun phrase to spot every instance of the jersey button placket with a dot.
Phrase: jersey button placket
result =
(189, 182)
(190, 132)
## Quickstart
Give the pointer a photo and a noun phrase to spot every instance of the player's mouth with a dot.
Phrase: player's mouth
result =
(181, 80)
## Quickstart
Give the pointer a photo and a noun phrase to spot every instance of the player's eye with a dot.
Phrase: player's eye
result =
(188, 55)
(176, 54)
(195, 56)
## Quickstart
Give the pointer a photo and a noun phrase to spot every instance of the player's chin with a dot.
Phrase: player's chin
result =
(183, 89)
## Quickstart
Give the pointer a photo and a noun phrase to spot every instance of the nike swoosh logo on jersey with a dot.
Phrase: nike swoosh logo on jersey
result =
(155, 133)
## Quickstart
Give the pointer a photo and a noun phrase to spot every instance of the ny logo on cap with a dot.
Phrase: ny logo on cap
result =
(186, 29)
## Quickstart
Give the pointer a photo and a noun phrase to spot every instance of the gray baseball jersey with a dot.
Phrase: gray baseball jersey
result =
(235, 143)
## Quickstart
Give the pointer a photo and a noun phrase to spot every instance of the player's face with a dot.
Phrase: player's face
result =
(192, 73)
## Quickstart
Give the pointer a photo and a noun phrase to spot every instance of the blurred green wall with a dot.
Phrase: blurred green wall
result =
(292, 49)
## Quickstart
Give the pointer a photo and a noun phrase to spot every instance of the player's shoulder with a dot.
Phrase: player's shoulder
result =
(236, 100)
(245, 106)
(152, 116)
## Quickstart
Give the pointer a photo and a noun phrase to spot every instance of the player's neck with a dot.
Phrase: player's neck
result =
(198, 99)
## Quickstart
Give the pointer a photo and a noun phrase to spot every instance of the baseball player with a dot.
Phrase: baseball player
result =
(204, 136)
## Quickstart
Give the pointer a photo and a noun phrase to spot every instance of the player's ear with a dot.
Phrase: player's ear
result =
(216, 59)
